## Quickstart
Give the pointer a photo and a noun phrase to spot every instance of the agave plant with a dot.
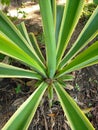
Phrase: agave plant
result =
(59, 23)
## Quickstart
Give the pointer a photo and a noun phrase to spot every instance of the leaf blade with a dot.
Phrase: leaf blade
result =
(75, 116)
(23, 116)
(53, 6)
(48, 25)
(60, 10)
(22, 29)
(71, 15)
(11, 71)
(86, 58)
(8, 48)
(36, 47)
(9, 29)
(88, 33)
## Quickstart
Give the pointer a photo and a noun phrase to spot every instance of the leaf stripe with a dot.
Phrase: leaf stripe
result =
(88, 33)
(86, 58)
(11, 71)
(7, 47)
(49, 31)
(72, 11)
(23, 116)
(8, 28)
(75, 116)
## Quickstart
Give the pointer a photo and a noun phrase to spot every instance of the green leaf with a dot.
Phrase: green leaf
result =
(86, 58)
(88, 33)
(50, 95)
(48, 25)
(36, 47)
(66, 77)
(7, 47)
(22, 29)
(15, 72)
(23, 116)
(18, 89)
(70, 19)
(53, 6)
(60, 10)
(31, 40)
(75, 116)
(8, 28)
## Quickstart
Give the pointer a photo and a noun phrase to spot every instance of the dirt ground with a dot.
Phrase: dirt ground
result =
(84, 88)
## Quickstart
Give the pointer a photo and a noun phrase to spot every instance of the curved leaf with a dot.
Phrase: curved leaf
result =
(31, 40)
(88, 33)
(8, 48)
(86, 58)
(7, 71)
(72, 11)
(23, 116)
(75, 116)
(8, 28)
